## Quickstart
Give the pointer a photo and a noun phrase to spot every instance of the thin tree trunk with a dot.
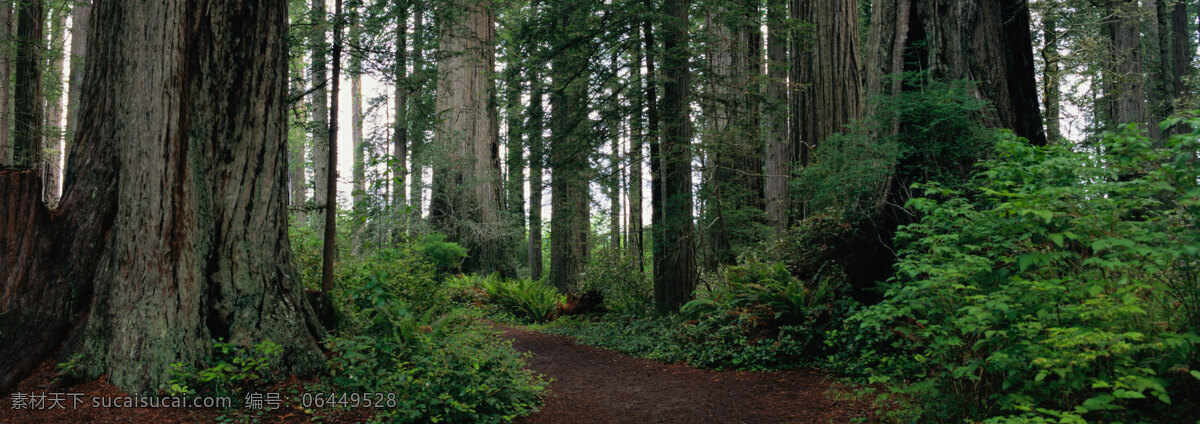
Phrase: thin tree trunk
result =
(652, 135)
(614, 193)
(778, 152)
(637, 136)
(679, 259)
(514, 163)
(1051, 78)
(79, 34)
(329, 243)
(1182, 56)
(359, 171)
(1158, 90)
(399, 122)
(320, 113)
(417, 118)
(175, 216)
(27, 88)
(53, 94)
(537, 157)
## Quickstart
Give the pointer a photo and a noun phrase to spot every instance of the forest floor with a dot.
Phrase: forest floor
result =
(600, 386)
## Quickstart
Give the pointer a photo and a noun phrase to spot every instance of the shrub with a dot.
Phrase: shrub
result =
(1058, 290)
(615, 275)
(230, 368)
(445, 256)
(531, 300)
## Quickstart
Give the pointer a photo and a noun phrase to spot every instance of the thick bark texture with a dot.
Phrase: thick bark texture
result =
(6, 33)
(172, 228)
(678, 262)
(636, 140)
(570, 221)
(1124, 85)
(80, 31)
(778, 152)
(987, 41)
(320, 111)
(1182, 56)
(467, 195)
(27, 87)
(825, 61)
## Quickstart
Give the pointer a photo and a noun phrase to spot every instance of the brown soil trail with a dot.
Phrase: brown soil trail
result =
(599, 386)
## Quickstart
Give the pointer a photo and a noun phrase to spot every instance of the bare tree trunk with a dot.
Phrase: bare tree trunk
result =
(175, 217)
(467, 200)
(514, 163)
(570, 220)
(1124, 85)
(637, 137)
(1051, 78)
(329, 241)
(679, 261)
(27, 88)
(778, 152)
(80, 31)
(320, 113)
(359, 170)
(829, 91)
(1182, 56)
(657, 238)
(6, 33)
(418, 116)
(537, 156)
(399, 121)
(53, 94)
(614, 193)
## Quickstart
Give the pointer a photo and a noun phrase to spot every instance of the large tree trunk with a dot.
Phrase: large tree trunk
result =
(320, 112)
(657, 237)
(1124, 87)
(55, 49)
(826, 62)
(570, 221)
(537, 156)
(514, 163)
(27, 88)
(172, 228)
(636, 140)
(987, 41)
(778, 152)
(466, 202)
(6, 33)
(80, 31)
(1182, 55)
(678, 264)
(1158, 92)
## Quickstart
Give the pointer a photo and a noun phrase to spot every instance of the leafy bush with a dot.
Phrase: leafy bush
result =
(230, 369)
(367, 289)
(1060, 289)
(444, 370)
(626, 290)
(534, 301)
(445, 256)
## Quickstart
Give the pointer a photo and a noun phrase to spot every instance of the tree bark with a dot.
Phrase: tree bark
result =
(828, 83)
(1181, 59)
(320, 112)
(418, 118)
(778, 153)
(637, 136)
(80, 31)
(359, 170)
(678, 264)
(6, 32)
(27, 87)
(537, 155)
(657, 238)
(1124, 86)
(961, 40)
(614, 192)
(514, 163)
(570, 220)
(399, 121)
(172, 228)
(467, 200)
(1051, 78)
(54, 51)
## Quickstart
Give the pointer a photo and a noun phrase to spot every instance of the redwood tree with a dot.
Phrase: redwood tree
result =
(675, 260)
(172, 227)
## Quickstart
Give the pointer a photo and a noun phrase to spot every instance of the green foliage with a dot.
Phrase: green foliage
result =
(530, 300)
(72, 368)
(371, 291)
(230, 369)
(1059, 288)
(444, 255)
(306, 254)
(614, 274)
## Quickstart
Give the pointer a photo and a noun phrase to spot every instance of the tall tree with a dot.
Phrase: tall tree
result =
(399, 122)
(537, 155)
(80, 13)
(987, 41)
(27, 87)
(6, 33)
(467, 201)
(570, 146)
(54, 50)
(657, 233)
(174, 218)
(1182, 54)
(677, 265)
(825, 62)
(1124, 85)
(419, 112)
(1051, 78)
(614, 191)
(514, 161)
(320, 111)
(329, 240)
(636, 143)
(778, 153)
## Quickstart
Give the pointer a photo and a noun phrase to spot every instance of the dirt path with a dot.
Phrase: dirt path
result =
(599, 386)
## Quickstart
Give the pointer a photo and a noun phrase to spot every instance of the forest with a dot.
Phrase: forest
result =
(559, 211)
